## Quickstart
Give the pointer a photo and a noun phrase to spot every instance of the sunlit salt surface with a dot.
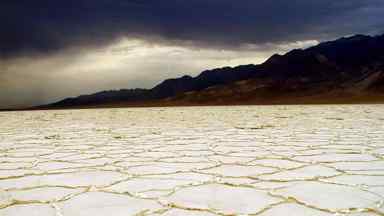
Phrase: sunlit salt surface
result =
(256, 160)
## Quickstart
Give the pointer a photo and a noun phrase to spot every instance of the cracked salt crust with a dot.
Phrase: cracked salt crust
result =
(249, 160)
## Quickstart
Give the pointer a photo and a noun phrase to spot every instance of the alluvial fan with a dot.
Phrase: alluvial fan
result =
(240, 160)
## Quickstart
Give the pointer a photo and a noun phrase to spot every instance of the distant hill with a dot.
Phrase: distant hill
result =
(347, 70)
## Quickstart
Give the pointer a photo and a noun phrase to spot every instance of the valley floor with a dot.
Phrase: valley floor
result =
(237, 160)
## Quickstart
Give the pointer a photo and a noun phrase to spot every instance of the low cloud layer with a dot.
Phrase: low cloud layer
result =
(128, 63)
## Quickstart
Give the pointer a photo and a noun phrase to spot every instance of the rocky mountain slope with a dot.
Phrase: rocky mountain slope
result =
(349, 69)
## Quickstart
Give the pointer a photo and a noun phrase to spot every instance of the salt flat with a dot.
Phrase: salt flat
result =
(242, 160)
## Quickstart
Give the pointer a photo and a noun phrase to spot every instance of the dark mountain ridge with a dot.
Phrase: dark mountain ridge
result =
(350, 64)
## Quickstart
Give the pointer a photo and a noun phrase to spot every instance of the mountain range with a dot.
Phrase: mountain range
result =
(347, 70)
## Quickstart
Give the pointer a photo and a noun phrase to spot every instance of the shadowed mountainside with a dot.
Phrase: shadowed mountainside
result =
(347, 70)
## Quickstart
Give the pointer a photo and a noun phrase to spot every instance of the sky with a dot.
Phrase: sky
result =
(50, 50)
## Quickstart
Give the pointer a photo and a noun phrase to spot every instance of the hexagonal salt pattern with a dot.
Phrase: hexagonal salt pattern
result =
(242, 160)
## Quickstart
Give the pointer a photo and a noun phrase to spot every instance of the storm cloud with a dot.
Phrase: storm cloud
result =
(46, 26)
(51, 49)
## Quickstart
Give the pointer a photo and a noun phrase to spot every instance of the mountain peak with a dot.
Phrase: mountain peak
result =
(273, 59)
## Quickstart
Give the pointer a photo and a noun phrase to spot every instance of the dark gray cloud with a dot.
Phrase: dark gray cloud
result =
(52, 49)
(46, 26)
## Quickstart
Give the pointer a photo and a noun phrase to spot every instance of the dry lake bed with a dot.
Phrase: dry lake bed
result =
(242, 160)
